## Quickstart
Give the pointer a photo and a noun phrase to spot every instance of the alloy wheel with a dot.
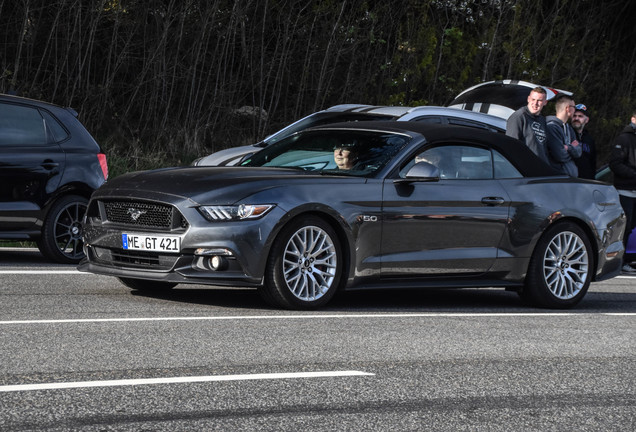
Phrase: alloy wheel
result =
(309, 263)
(68, 230)
(566, 265)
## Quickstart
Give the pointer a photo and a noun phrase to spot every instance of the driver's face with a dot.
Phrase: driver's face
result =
(342, 158)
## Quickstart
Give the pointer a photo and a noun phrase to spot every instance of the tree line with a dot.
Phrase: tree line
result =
(175, 79)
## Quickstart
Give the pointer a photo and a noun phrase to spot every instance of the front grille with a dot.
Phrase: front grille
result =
(138, 259)
(143, 214)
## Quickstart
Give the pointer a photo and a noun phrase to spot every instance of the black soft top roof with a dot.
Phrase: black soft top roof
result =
(513, 149)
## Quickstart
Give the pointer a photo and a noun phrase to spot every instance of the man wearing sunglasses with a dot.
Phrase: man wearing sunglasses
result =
(587, 162)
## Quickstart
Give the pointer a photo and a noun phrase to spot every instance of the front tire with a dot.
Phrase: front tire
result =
(305, 265)
(147, 285)
(560, 269)
(61, 239)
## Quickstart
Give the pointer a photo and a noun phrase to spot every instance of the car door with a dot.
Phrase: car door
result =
(453, 225)
(31, 164)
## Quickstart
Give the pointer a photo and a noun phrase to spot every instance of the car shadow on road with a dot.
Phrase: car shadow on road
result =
(24, 257)
(235, 298)
(430, 300)
(486, 300)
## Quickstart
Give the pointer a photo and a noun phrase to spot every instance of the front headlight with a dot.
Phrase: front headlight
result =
(235, 212)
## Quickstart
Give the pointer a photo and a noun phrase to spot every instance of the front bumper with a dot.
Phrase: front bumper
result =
(241, 246)
(183, 268)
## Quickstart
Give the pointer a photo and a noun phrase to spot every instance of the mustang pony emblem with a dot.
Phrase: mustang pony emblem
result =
(135, 214)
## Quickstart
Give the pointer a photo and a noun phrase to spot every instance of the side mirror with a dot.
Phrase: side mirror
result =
(420, 172)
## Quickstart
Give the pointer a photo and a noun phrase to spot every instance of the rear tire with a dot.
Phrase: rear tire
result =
(305, 265)
(560, 269)
(61, 239)
(147, 285)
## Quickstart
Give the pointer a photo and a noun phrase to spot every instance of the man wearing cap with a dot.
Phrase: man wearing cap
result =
(623, 165)
(586, 163)
(528, 125)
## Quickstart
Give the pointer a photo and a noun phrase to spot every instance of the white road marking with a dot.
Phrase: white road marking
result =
(39, 272)
(179, 380)
(322, 316)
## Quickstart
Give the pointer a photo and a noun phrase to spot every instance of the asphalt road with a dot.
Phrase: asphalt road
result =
(82, 352)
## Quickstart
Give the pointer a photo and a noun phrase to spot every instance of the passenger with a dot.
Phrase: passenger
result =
(441, 158)
(587, 162)
(563, 147)
(623, 165)
(344, 155)
(429, 156)
(528, 125)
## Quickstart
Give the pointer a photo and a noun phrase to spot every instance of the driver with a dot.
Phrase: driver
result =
(344, 155)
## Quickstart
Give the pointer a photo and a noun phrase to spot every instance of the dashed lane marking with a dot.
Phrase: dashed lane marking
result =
(180, 380)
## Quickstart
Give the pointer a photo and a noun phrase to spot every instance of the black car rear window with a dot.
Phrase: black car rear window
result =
(54, 127)
(21, 126)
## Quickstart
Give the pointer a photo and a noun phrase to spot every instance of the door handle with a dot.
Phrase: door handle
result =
(493, 201)
(49, 165)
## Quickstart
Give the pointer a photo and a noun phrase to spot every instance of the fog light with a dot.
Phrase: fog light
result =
(218, 263)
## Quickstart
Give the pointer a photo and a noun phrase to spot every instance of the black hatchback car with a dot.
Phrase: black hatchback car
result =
(49, 167)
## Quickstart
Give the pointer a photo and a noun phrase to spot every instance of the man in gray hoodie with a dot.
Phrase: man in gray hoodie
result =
(563, 147)
(528, 125)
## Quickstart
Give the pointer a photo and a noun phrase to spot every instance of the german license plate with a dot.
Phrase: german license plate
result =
(151, 243)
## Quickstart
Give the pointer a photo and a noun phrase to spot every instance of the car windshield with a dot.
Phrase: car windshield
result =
(322, 118)
(335, 152)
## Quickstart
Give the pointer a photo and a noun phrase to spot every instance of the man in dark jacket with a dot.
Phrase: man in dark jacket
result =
(587, 162)
(563, 148)
(623, 166)
(528, 125)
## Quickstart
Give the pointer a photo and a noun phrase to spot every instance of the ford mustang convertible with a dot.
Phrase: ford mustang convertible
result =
(358, 206)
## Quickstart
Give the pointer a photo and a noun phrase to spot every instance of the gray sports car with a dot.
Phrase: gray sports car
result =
(362, 205)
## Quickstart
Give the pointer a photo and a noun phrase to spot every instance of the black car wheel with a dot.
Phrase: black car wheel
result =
(146, 285)
(560, 269)
(305, 265)
(61, 239)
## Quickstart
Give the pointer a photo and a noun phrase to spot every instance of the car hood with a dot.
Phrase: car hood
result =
(209, 185)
